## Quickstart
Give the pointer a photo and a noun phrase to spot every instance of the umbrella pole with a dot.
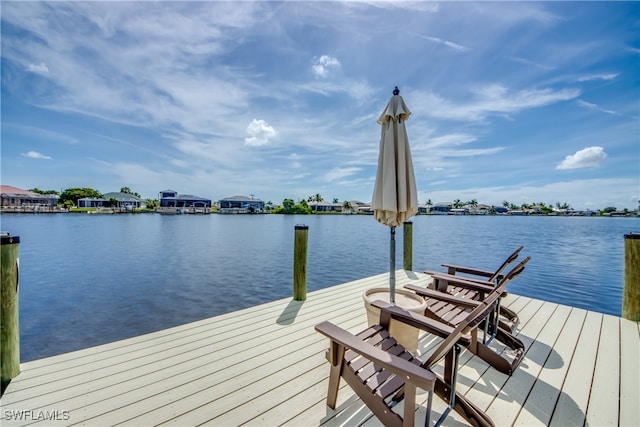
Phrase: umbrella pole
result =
(392, 267)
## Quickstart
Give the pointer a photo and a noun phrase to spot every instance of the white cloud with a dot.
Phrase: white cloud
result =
(587, 157)
(609, 76)
(595, 107)
(260, 132)
(40, 69)
(447, 43)
(324, 65)
(35, 155)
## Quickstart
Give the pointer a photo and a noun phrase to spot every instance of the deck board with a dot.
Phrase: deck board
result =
(630, 372)
(265, 365)
(572, 403)
(542, 398)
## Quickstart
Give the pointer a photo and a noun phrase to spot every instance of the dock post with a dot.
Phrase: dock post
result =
(9, 325)
(300, 263)
(631, 290)
(407, 236)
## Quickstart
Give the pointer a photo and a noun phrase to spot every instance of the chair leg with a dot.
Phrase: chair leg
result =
(446, 389)
(335, 356)
(409, 413)
(451, 376)
(470, 412)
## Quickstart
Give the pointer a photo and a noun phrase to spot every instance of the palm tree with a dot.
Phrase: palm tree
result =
(457, 203)
(346, 206)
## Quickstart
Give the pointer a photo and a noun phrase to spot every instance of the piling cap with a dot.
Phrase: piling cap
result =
(7, 239)
(301, 227)
(632, 235)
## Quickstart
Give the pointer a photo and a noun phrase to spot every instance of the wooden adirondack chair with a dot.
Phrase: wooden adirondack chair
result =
(383, 373)
(458, 285)
(452, 309)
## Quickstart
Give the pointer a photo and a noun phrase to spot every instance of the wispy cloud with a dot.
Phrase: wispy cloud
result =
(595, 107)
(585, 158)
(340, 173)
(531, 63)
(39, 68)
(494, 99)
(608, 76)
(446, 43)
(36, 155)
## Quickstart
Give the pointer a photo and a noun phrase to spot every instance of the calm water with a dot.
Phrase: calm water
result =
(90, 279)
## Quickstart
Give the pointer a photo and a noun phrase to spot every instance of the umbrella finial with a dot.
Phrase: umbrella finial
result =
(396, 91)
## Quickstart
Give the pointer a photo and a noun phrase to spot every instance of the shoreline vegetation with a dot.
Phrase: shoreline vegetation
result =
(67, 202)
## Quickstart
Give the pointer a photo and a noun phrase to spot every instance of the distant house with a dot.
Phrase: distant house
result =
(323, 206)
(15, 197)
(457, 211)
(441, 208)
(361, 207)
(123, 201)
(241, 204)
(425, 209)
(92, 202)
(478, 209)
(170, 201)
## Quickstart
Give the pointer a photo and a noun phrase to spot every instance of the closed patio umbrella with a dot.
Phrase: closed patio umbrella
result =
(395, 197)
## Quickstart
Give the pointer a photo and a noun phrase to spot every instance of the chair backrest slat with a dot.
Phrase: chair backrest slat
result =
(506, 262)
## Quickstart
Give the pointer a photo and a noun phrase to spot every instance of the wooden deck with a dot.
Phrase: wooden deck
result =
(265, 366)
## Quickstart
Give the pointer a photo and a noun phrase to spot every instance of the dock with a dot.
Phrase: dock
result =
(265, 366)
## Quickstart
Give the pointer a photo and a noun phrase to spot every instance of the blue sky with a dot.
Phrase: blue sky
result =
(516, 101)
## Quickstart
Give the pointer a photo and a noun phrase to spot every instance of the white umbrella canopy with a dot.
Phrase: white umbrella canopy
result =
(395, 197)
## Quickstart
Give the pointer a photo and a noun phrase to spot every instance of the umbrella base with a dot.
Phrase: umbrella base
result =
(403, 333)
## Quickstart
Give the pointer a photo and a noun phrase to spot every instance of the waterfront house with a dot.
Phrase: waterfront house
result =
(441, 208)
(172, 202)
(14, 197)
(123, 201)
(457, 211)
(360, 207)
(324, 206)
(241, 204)
(477, 209)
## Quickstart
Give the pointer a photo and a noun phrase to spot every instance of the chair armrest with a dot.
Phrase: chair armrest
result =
(442, 296)
(453, 269)
(475, 285)
(418, 321)
(408, 371)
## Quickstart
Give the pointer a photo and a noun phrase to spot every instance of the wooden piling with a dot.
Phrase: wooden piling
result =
(300, 262)
(407, 236)
(631, 290)
(9, 325)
